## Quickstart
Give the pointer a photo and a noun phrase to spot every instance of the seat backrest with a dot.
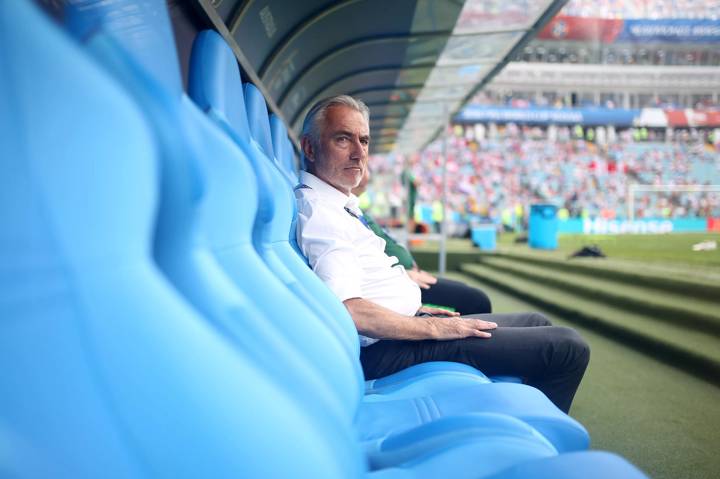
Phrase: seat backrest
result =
(259, 129)
(282, 147)
(313, 291)
(211, 58)
(284, 157)
(187, 142)
(111, 373)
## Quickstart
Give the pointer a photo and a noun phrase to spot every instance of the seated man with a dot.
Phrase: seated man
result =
(383, 301)
(439, 291)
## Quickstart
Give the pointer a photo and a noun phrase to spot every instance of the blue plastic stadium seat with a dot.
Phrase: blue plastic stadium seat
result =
(191, 151)
(284, 157)
(588, 465)
(585, 465)
(108, 371)
(215, 80)
(282, 148)
(215, 86)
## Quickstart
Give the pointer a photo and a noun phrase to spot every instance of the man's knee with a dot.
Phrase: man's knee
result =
(487, 302)
(575, 348)
(464, 298)
(538, 319)
(482, 304)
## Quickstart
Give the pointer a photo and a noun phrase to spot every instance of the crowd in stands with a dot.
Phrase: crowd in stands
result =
(544, 99)
(594, 52)
(497, 173)
(650, 9)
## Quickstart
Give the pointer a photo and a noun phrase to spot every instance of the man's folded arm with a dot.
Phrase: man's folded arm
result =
(375, 321)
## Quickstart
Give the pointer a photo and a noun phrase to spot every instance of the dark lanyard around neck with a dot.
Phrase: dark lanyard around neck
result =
(360, 217)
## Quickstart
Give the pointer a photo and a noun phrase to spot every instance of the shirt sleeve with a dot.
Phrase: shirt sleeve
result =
(329, 250)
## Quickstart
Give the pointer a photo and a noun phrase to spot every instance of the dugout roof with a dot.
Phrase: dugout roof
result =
(414, 62)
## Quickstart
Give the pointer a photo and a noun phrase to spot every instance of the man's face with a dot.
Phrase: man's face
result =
(341, 157)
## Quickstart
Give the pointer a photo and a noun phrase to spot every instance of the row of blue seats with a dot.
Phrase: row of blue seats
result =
(156, 320)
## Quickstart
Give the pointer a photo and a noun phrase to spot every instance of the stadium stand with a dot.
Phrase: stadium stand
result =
(664, 54)
(652, 9)
(519, 166)
(156, 320)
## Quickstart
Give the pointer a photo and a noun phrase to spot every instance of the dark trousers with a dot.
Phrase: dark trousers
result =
(550, 358)
(459, 296)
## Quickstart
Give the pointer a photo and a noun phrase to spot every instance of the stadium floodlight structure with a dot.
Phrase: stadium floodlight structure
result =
(635, 188)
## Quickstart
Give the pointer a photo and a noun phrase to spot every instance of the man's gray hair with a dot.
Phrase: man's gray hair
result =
(315, 118)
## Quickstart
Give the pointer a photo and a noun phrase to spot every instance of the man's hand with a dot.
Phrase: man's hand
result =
(422, 278)
(438, 311)
(376, 321)
(459, 327)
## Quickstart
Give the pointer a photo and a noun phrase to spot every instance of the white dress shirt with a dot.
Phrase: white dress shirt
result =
(346, 254)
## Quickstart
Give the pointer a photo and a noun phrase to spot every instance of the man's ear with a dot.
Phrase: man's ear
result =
(307, 148)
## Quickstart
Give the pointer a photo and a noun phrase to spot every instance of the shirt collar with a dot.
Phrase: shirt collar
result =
(329, 193)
